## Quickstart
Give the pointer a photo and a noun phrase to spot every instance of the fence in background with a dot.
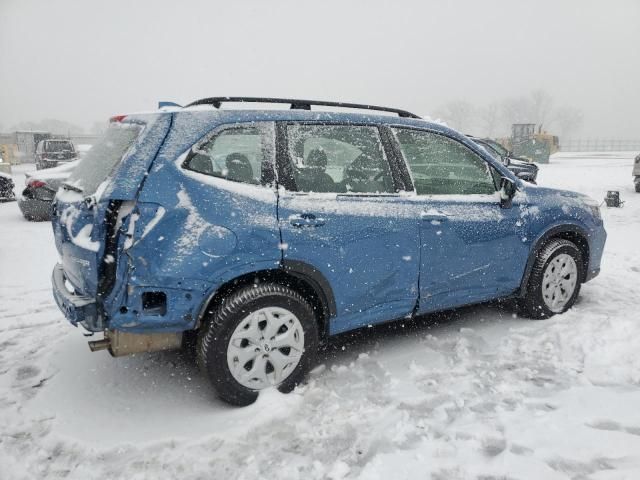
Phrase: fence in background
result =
(599, 145)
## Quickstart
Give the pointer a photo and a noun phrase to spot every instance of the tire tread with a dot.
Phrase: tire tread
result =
(225, 313)
(532, 306)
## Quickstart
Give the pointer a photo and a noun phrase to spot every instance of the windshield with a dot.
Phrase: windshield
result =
(498, 148)
(489, 149)
(103, 157)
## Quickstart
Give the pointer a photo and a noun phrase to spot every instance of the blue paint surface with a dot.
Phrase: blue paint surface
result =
(379, 257)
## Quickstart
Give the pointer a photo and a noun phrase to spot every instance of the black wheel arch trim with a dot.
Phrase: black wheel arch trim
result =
(553, 232)
(306, 273)
(318, 282)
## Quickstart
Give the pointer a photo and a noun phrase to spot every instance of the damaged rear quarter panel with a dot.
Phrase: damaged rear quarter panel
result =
(192, 233)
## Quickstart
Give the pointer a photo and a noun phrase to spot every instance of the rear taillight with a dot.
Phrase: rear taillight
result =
(36, 183)
(117, 118)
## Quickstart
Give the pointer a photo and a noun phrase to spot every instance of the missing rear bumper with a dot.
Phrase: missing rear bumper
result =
(121, 343)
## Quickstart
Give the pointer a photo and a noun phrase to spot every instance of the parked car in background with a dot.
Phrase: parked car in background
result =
(636, 173)
(265, 232)
(521, 168)
(40, 190)
(6, 188)
(53, 152)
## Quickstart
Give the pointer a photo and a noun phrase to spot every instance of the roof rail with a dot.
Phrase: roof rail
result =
(297, 104)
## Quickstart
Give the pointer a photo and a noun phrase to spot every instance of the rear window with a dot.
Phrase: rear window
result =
(104, 156)
(58, 146)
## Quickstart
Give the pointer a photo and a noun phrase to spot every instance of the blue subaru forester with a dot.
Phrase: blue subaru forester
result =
(263, 232)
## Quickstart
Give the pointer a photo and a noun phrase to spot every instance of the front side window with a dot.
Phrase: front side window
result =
(338, 159)
(239, 154)
(442, 166)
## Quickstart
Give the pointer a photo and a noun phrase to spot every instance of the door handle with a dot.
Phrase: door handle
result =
(305, 220)
(432, 216)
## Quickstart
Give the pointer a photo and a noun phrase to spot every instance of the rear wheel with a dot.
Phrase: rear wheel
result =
(554, 283)
(261, 336)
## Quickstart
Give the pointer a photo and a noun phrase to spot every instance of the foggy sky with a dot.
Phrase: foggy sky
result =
(82, 61)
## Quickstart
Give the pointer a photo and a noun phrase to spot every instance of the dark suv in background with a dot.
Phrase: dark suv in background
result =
(521, 168)
(53, 152)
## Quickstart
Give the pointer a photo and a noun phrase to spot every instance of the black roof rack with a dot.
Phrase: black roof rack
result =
(297, 104)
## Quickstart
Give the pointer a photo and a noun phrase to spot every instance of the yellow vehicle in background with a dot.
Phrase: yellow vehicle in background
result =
(526, 144)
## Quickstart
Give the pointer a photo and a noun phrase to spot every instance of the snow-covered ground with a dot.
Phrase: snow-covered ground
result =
(478, 393)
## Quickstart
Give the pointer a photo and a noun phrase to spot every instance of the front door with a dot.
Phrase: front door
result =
(471, 249)
(340, 214)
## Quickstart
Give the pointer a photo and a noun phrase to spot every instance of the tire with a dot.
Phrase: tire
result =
(538, 302)
(638, 187)
(245, 315)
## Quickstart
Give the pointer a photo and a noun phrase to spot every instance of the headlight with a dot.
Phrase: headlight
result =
(595, 211)
(593, 207)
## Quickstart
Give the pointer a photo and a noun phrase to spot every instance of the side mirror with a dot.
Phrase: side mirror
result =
(508, 190)
(506, 161)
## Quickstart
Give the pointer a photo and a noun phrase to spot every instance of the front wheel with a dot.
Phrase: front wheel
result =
(261, 336)
(554, 283)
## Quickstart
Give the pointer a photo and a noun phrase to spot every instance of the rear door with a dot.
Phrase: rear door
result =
(88, 203)
(341, 215)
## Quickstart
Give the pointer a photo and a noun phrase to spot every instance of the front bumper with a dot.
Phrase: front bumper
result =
(52, 163)
(597, 240)
(591, 274)
(76, 308)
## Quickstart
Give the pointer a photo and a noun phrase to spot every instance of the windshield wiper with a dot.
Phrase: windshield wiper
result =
(73, 188)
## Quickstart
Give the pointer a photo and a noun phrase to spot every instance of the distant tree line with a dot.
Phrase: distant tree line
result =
(496, 118)
(58, 127)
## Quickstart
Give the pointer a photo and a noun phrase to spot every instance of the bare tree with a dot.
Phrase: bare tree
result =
(489, 117)
(541, 108)
(496, 118)
(59, 127)
(459, 114)
(99, 127)
(568, 120)
(516, 110)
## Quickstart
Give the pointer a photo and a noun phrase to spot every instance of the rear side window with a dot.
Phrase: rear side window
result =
(104, 156)
(239, 154)
(442, 166)
(338, 159)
